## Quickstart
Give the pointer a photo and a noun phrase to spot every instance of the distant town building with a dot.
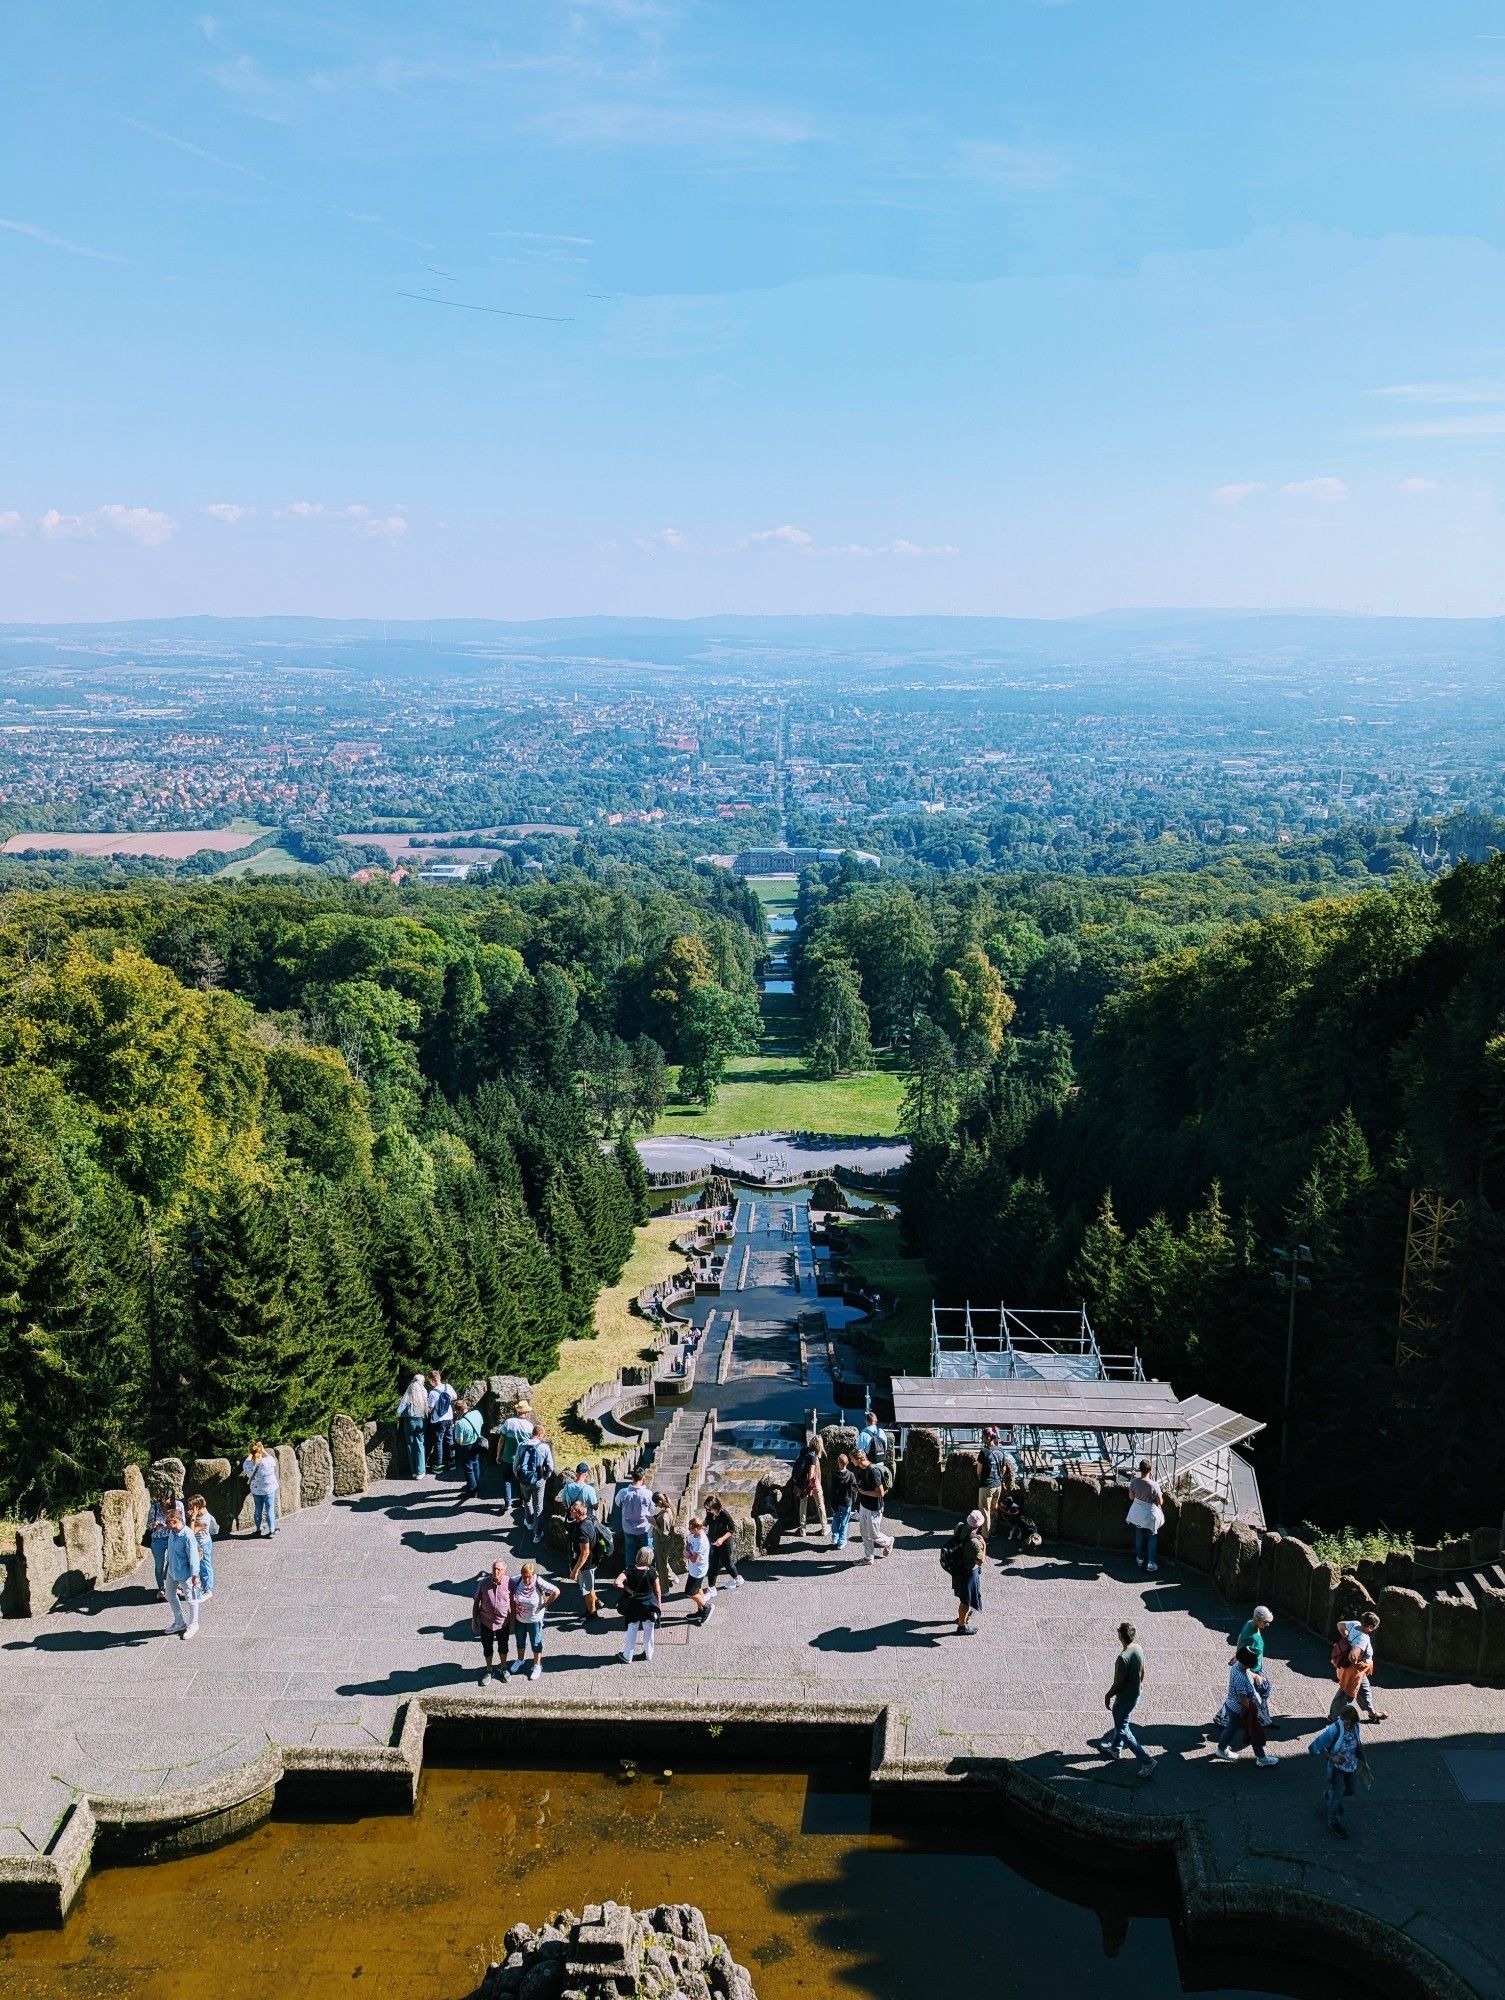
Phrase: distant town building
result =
(790, 860)
(445, 871)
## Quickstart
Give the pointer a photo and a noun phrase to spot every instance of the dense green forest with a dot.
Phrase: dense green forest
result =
(265, 1148)
(1137, 1093)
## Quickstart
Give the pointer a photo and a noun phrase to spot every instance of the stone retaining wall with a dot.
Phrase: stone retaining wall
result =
(1457, 1631)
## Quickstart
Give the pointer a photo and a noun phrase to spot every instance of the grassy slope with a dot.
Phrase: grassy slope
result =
(874, 1253)
(621, 1337)
(271, 861)
(774, 892)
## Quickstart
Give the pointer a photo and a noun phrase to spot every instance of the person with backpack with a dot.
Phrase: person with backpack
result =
(843, 1500)
(872, 1492)
(872, 1440)
(490, 1613)
(1342, 1746)
(514, 1432)
(532, 1595)
(1242, 1715)
(1146, 1516)
(805, 1481)
(581, 1486)
(722, 1532)
(1355, 1636)
(642, 1606)
(591, 1543)
(962, 1559)
(697, 1570)
(531, 1472)
(993, 1475)
(1122, 1699)
(635, 1512)
(469, 1433)
(441, 1422)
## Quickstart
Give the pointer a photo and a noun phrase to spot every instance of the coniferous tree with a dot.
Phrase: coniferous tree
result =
(570, 1247)
(246, 1359)
(634, 1180)
(530, 1277)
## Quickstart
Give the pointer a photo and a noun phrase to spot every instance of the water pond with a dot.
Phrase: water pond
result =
(783, 1863)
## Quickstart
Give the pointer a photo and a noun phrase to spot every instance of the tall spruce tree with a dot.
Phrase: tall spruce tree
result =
(247, 1360)
(634, 1180)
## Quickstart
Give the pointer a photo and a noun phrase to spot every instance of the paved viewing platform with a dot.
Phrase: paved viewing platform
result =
(326, 1639)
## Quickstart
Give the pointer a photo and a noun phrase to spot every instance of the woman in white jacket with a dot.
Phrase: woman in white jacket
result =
(260, 1469)
(412, 1418)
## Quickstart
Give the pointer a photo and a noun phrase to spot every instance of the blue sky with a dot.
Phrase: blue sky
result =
(981, 305)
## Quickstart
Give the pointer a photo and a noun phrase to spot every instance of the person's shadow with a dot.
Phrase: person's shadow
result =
(876, 1638)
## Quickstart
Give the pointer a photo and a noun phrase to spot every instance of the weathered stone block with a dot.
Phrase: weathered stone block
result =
(10, 1575)
(1492, 1616)
(1114, 1531)
(1235, 1566)
(378, 1461)
(1269, 1546)
(347, 1447)
(42, 1564)
(1295, 1565)
(920, 1473)
(224, 1489)
(1197, 1531)
(120, 1537)
(84, 1546)
(1081, 1509)
(289, 1480)
(1350, 1600)
(1399, 1567)
(1042, 1499)
(1403, 1625)
(502, 1391)
(1320, 1612)
(133, 1479)
(164, 1478)
(1455, 1633)
(315, 1471)
(959, 1483)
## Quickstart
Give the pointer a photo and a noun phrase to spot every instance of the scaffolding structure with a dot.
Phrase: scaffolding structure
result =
(1429, 1244)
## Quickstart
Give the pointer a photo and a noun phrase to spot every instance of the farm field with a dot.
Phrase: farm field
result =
(165, 846)
(400, 847)
(270, 861)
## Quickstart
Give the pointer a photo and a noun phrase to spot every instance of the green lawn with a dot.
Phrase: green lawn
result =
(775, 892)
(621, 1337)
(874, 1253)
(270, 861)
(773, 1093)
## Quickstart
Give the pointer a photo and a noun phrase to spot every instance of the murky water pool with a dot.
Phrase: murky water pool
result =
(783, 1864)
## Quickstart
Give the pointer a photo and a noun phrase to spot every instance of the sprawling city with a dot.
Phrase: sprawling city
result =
(830, 978)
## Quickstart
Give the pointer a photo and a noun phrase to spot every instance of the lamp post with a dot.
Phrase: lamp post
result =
(1288, 1277)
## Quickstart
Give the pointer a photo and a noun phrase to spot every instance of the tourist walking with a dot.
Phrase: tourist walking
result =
(590, 1543)
(843, 1500)
(697, 1570)
(412, 1421)
(183, 1569)
(662, 1525)
(963, 1558)
(532, 1595)
(1251, 1639)
(581, 1486)
(635, 1512)
(469, 1445)
(1122, 1699)
(515, 1430)
(1355, 1636)
(642, 1606)
(205, 1528)
(532, 1469)
(872, 1440)
(1146, 1516)
(1242, 1716)
(490, 1612)
(440, 1433)
(872, 1492)
(994, 1473)
(156, 1534)
(1342, 1746)
(722, 1531)
(805, 1479)
(260, 1469)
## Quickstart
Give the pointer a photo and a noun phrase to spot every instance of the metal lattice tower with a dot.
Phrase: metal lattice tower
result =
(1428, 1244)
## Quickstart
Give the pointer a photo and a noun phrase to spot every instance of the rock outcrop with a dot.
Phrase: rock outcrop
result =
(609, 1952)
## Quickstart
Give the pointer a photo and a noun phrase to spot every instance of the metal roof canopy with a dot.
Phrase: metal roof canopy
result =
(1051, 1403)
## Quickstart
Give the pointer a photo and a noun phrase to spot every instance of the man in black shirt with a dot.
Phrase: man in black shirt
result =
(721, 1530)
(843, 1500)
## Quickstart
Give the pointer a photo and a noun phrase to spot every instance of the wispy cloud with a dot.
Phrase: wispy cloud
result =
(226, 511)
(1418, 486)
(786, 537)
(675, 540)
(46, 237)
(148, 527)
(1481, 423)
(11, 523)
(368, 521)
(905, 548)
(1236, 493)
(1444, 392)
(1325, 489)
(796, 541)
(1478, 402)
(262, 180)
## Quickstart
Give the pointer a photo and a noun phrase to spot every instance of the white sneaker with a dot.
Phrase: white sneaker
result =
(537, 1668)
(1223, 1756)
(1268, 1762)
(486, 1679)
(732, 1583)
